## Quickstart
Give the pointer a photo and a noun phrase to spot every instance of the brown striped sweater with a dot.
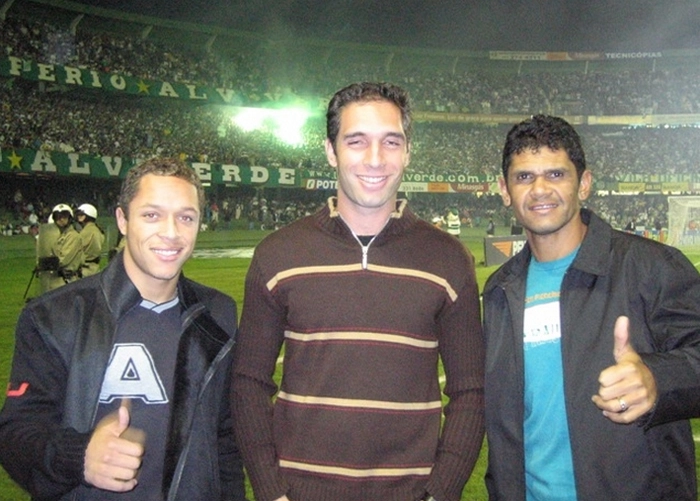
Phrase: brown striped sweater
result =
(358, 411)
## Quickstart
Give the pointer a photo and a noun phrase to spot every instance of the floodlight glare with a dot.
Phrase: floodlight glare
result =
(285, 124)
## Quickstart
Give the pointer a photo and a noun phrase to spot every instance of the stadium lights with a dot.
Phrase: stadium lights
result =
(286, 124)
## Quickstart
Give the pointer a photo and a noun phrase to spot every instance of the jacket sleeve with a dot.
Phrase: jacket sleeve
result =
(671, 303)
(255, 357)
(223, 316)
(70, 254)
(230, 461)
(43, 457)
(461, 348)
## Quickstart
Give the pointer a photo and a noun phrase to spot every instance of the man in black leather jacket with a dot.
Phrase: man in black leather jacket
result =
(119, 381)
(592, 342)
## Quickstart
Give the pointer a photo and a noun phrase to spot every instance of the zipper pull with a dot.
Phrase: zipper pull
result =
(365, 250)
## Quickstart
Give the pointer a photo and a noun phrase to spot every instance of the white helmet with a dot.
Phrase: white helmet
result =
(88, 210)
(62, 208)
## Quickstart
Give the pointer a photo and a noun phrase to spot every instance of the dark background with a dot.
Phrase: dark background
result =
(533, 25)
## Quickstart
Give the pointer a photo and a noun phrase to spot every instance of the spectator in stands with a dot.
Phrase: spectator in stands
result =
(586, 312)
(92, 237)
(360, 364)
(120, 381)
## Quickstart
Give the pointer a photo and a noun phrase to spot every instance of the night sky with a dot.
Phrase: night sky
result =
(555, 25)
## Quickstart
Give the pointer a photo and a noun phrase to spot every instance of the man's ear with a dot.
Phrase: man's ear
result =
(585, 185)
(121, 220)
(330, 153)
(504, 191)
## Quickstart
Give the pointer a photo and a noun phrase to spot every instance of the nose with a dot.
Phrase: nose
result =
(540, 185)
(373, 155)
(170, 228)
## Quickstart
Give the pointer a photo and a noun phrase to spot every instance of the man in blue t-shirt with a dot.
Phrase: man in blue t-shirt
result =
(592, 342)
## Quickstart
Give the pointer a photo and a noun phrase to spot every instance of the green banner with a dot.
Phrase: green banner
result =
(26, 161)
(11, 66)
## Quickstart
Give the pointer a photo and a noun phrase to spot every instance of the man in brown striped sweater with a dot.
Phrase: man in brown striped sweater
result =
(366, 297)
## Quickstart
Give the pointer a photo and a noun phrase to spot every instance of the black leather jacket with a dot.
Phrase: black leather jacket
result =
(63, 342)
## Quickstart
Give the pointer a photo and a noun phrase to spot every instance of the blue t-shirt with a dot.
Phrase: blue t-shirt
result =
(549, 471)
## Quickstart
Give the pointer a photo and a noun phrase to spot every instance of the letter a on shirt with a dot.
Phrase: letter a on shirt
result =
(131, 373)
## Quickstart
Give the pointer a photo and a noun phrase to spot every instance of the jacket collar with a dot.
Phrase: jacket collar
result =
(121, 294)
(594, 255)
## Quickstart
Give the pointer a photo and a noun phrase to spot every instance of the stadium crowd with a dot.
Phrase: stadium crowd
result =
(41, 116)
(594, 93)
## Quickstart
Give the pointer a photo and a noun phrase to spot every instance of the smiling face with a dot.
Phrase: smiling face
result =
(161, 232)
(544, 190)
(370, 153)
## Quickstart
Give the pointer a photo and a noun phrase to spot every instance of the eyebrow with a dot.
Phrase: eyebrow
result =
(544, 169)
(161, 207)
(393, 134)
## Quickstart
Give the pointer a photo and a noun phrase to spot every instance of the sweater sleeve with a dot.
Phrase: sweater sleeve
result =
(255, 358)
(44, 458)
(461, 346)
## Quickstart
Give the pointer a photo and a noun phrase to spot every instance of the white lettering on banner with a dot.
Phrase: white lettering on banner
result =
(232, 173)
(96, 79)
(324, 175)
(193, 92)
(203, 170)
(46, 72)
(131, 373)
(321, 184)
(259, 174)
(326, 184)
(287, 176)
(517, 246)
(413, 187)
(118, 82)
(73, 75)
(166, 90)
(15, 66)
(74, 168)
(115, 169)
(518, 56)
(43, 163)
(226, 94)
(632, 55)
(447, 178)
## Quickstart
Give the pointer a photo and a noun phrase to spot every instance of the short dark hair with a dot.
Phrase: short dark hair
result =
(159, 167)
(543, 131)
(365, 92)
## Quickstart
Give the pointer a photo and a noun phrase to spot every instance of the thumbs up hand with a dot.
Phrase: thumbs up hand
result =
(113, 455)
(627, 389)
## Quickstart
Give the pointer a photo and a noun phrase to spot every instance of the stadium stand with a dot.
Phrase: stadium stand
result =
(464, 104)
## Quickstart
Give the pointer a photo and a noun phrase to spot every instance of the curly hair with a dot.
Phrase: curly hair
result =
(544, 131)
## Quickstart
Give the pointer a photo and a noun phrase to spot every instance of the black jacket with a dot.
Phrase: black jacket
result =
(63, 342)
(613, 274)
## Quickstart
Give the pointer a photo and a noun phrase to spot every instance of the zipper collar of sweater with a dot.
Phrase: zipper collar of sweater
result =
(396, 214)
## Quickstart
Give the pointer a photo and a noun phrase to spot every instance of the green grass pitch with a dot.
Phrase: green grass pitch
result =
(225, 274)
